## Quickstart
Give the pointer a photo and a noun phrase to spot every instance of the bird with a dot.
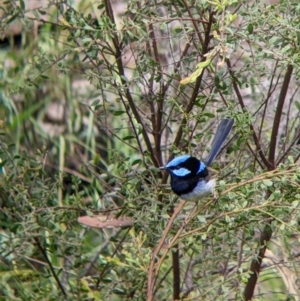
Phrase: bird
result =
(190, 177)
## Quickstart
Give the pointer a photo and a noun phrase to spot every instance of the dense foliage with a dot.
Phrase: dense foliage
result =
(95, 96)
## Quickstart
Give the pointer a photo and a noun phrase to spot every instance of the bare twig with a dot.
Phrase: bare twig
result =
(241, 102)
(266, 234)
(197, 84)
(153, 270)
(43, 251)
(118, 56)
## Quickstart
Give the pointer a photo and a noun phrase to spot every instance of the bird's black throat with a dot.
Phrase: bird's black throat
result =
(186, 184)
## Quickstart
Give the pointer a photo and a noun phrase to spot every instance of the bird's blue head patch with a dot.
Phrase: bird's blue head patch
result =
(186, 167)
(181, 172)
(201, 167)
(177, 161)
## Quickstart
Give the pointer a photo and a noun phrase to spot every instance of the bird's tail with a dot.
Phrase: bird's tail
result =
(221, 134)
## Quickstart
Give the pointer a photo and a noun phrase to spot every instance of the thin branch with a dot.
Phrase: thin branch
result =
(241, 102)
(288, 149)
(43, 251)
(176, 272)
(153, 270)
(162, 279)
(189, 276)
(150, 83)
(121, 72)
(160, 103)
(108, 265)
(88, 267)
(187, 7)
(267, 231)
(254, 155)
(182, 19)
(266, 102)
(197, 84)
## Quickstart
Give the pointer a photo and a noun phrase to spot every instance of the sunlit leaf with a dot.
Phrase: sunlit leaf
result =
(192, 78)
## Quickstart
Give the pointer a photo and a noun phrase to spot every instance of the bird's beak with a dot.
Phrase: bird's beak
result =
(162, 168)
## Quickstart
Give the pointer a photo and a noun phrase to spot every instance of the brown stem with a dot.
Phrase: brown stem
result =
(108, 264)
(266, 102)
(241, 102)
(297, 137)
(267, 231)
(176, 273)
(160, 102)
(197, 84)
(187, 7)
(278, 113)
(153, 270)
(121, 72)
(43, 251)
(265, 237)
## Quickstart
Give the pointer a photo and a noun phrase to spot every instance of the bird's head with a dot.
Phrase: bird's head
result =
(185, 167)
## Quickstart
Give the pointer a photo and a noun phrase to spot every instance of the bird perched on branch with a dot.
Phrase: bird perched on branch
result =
(190, 177)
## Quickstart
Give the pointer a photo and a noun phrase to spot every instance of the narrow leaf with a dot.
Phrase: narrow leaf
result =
(192, 78)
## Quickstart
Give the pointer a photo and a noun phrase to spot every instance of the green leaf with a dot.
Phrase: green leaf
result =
(222, 183)
(295, 204)
(250, 28)
(128, 137)
(201, 218)
(12, 18)
(286, 48)
(95, 102)
(88, 27)
(22, 4)
(137, 161)
(227, 219)
(209, 115)
(192, 78)
(118, 113)
(96, 159)
(42, 12)
(268, 183)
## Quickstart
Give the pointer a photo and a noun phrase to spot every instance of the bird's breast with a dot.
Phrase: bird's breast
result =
(202, 189)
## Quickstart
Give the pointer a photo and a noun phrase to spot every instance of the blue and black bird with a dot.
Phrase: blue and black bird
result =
(190, 177)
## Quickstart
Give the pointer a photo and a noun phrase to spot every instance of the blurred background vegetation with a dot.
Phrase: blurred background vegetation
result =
(91, 105)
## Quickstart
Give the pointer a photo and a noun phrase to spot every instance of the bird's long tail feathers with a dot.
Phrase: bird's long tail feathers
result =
(221, 134)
